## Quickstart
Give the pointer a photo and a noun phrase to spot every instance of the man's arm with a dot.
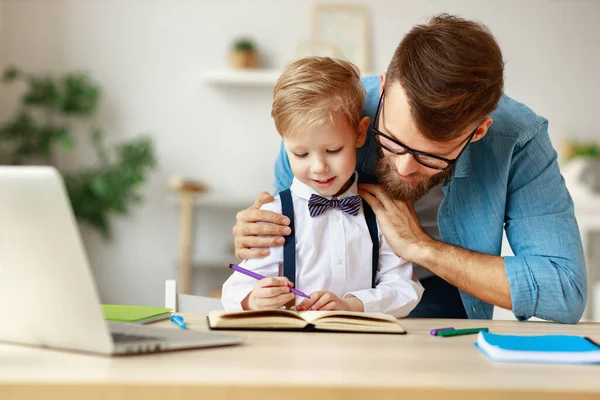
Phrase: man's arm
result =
(480, 275)
(547, 275)
(546, 278)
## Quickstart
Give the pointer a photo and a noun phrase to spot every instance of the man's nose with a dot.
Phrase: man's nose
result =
(406, 164)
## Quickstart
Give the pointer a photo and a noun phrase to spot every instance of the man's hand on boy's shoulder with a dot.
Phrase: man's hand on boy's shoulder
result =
(398, 223)
(327, 301)
(256, 230)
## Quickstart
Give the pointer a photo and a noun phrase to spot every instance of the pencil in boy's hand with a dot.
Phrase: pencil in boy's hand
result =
(259, 277)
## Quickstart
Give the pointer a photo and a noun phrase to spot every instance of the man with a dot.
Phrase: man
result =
(457, 162)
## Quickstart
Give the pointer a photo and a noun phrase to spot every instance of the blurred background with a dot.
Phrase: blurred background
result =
(181, 91)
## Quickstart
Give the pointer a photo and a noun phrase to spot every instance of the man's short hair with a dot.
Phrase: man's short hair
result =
(452, 72)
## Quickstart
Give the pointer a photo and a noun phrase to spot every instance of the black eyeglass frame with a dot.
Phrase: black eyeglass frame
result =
(407, 150)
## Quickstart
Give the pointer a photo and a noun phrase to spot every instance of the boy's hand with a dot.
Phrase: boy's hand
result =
(327, 301)
(251, 232)
(269, 293)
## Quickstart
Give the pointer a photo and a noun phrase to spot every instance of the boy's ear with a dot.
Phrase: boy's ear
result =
(363, 127)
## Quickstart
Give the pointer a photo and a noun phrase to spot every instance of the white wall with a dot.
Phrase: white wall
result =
(149, 55)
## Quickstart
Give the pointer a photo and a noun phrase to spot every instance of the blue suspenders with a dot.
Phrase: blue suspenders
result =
(289, 248)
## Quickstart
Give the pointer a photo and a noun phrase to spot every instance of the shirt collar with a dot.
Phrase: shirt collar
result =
(304, 191)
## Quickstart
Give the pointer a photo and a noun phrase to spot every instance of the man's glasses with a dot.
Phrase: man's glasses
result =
(394, 146)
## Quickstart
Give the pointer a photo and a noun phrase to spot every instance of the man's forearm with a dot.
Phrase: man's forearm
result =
(480, 275)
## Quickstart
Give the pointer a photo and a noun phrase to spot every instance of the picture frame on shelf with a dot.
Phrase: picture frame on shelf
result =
(346, 28)
(315, 48)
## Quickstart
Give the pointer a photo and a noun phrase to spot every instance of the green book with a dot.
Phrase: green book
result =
(136, 314)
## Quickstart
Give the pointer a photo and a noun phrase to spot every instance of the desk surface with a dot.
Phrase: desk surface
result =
(319, 365)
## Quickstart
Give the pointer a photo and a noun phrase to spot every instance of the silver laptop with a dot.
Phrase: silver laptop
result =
(46, 284)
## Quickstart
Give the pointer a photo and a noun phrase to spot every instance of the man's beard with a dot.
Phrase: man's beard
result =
(406, 191)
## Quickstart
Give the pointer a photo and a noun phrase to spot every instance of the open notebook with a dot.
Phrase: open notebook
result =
(332, 321)
(565, 349)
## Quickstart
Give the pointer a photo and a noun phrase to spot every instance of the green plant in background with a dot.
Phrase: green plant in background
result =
(244, 44)
(576, 148)
(41, 127)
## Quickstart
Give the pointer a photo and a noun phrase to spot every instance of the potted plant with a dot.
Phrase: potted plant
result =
(243, 54)
(44, 124)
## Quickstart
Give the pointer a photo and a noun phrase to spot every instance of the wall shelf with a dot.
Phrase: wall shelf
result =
(249, 77)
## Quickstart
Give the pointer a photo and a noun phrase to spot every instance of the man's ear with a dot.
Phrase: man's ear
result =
(482, 130)
(382, 83)
(363, 127)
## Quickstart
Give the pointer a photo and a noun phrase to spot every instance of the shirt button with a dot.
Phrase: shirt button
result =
(337, 217)
(339, 261)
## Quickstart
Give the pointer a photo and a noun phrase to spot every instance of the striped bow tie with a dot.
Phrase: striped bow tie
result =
(317, 205)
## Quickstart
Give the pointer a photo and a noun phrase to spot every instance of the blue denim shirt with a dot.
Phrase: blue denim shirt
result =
(510, 179)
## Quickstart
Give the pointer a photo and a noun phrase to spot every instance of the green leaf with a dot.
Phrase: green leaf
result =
(81, 94)
(108, 187)
(10, 74)
(99, 187)
(43, 92)
(65, 140)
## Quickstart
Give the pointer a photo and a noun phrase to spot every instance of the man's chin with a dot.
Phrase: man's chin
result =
(400, 189)
(405, 191)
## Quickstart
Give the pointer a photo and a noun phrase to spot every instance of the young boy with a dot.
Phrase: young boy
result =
(317, 107)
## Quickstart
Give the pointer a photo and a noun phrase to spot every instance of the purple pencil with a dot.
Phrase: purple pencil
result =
(259, 277)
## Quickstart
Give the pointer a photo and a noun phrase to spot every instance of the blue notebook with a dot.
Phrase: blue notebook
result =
(544, 349)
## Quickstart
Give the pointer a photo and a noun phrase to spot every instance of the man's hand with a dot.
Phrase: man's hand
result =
(256, 230)
(398, 222)
(269, 293)
(327, 301)
(480, 275)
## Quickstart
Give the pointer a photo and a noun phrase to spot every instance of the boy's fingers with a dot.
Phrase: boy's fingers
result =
(277, 301)
(332, 305)
(267, 292)
(274, 281)
(307, 303)
(326, 298)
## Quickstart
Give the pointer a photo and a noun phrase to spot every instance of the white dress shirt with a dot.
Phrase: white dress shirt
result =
(333, 253)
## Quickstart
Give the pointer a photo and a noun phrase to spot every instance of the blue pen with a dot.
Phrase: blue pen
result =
(178, 320)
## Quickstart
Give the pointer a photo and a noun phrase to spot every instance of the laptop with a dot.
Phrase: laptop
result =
(46, 283)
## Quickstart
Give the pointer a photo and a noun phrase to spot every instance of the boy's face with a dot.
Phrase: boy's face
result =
(324, 157)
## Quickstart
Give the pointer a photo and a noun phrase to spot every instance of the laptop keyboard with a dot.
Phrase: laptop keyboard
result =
(124, 338)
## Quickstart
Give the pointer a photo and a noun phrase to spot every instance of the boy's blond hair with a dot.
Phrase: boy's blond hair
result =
(311, 91)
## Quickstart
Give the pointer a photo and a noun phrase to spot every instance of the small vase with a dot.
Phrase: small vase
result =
(243, 59)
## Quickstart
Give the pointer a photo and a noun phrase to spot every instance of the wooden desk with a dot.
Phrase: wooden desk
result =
(305, 366)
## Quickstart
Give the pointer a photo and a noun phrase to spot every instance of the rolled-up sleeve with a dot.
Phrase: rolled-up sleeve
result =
(547, 274)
